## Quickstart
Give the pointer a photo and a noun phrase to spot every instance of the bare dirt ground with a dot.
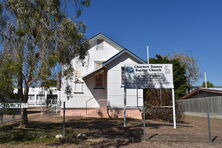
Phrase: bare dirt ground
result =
(192, 132)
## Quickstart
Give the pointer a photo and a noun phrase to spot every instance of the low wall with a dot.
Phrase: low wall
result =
(102, 112)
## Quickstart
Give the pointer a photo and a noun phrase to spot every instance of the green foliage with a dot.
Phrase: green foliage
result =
(179, 73)
(7, 69)
(37, 37)
(209, 84)
(49, 83)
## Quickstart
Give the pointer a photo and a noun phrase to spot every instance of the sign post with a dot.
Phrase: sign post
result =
(141, 76)
(174, 110)
(124, 114)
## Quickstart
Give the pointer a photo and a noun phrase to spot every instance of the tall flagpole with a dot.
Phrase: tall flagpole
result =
(148, 54)
(205, 79)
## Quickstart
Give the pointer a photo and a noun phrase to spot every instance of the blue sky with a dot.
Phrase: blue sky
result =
(193, 27)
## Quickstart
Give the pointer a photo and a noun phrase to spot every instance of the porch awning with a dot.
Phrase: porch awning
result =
(94, 72)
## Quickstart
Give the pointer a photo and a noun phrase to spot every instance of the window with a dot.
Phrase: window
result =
(40, 99)
(99, 80)
(99, 44)
(78, 88)
(31, 99)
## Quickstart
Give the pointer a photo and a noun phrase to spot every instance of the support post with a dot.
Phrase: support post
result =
(45, 102)
(64, 120)
(144, 123)
(124, 114)
(174, 110)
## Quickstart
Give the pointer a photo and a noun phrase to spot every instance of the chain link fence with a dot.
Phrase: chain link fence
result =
(50, 125)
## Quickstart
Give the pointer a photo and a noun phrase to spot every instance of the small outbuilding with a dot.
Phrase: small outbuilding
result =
(203, 92)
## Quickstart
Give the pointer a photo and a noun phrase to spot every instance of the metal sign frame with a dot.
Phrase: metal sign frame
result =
(146, 69)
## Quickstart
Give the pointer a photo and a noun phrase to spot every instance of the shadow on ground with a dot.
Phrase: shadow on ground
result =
(100, 132)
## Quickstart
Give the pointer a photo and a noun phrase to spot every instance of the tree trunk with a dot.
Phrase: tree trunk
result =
(20, 87)
(24, 118)
(24, 114)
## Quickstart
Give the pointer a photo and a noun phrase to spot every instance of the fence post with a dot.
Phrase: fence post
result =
(209, 127)
(2, 113)
(64, 119)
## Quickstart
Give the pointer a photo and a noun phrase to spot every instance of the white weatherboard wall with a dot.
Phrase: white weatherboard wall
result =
(115, 92)
(90, 96)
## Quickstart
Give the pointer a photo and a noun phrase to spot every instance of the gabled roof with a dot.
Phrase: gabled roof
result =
(121, 53)
(101, 35)
(208, 90)
(113, 58)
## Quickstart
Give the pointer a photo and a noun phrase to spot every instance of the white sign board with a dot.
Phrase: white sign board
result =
(13, 105)
(148, 76)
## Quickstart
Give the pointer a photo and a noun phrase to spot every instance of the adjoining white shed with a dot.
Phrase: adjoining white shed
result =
(41, 97)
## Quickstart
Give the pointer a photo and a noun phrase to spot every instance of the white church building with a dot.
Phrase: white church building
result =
(96, 87)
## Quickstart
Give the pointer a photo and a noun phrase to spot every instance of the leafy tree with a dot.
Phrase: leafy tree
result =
(179, 73)
(209, 84)
(38, 36)
(6, 77)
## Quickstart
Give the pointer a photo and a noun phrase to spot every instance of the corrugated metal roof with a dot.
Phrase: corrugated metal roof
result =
(209, 90)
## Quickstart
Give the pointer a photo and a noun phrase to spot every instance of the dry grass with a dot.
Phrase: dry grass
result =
(110, 133)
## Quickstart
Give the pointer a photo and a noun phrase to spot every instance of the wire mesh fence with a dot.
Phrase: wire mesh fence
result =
(47, 124)
(92, 128)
